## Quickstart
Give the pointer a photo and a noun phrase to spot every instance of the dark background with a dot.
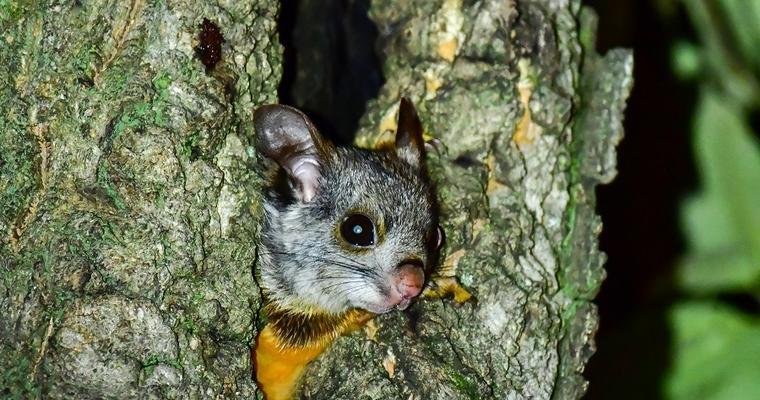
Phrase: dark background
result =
(639, 209)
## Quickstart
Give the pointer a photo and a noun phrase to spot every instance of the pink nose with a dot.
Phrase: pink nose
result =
(407, 284)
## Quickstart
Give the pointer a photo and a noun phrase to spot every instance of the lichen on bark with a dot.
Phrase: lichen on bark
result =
(129, 198)
(129, 202)
(528, 117)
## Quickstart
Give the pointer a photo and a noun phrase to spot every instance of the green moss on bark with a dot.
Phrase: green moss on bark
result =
(129, 202)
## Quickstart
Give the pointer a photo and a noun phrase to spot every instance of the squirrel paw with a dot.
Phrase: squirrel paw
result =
(433, 145)
(447, 287)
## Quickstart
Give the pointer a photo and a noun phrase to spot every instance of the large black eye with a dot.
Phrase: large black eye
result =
(358, 230)
(439, 237)
(435, 238)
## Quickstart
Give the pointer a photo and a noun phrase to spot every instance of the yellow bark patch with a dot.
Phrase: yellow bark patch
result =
(386, 130)
(433, 82)
(389, 122)
(493, 185)
(389, 363)
(447, 28)
(527, 132)
(448, 49)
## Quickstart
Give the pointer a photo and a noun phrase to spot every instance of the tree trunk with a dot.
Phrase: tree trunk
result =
(129, 201)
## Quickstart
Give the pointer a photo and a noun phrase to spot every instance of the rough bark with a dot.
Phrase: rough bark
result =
(529, 117)
(130, 203)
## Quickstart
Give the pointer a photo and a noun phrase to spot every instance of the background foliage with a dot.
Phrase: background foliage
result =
(680, 310)
(716, 346)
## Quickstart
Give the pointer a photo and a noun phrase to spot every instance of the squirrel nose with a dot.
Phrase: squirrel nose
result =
(409, 280)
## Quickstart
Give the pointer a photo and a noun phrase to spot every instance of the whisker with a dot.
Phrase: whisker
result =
(353, 266)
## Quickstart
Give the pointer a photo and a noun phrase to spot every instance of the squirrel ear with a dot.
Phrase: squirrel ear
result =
(289, 138)
(410, 146)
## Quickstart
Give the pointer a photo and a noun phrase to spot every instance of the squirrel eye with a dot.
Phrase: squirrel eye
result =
(435, 238)
(358, 230)
(439, 235)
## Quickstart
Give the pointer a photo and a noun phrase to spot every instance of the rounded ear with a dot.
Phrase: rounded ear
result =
(289, 138)
(410, 146)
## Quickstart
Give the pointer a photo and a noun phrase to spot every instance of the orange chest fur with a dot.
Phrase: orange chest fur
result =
(291, 340)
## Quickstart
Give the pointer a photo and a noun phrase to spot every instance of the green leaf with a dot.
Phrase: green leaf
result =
(723, 67)
(716, 354)
(729, 272)
(707, 223)
(742, 18)
(722, 224)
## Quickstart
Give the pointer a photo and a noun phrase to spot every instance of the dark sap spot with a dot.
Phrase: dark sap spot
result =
(209, 49)
(466, 161)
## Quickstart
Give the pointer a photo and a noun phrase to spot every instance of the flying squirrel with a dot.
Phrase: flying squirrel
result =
(348, 233)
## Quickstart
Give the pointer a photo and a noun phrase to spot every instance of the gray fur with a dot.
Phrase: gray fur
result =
(303, 261)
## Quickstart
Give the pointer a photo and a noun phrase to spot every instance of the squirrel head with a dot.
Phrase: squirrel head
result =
(344, 227)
